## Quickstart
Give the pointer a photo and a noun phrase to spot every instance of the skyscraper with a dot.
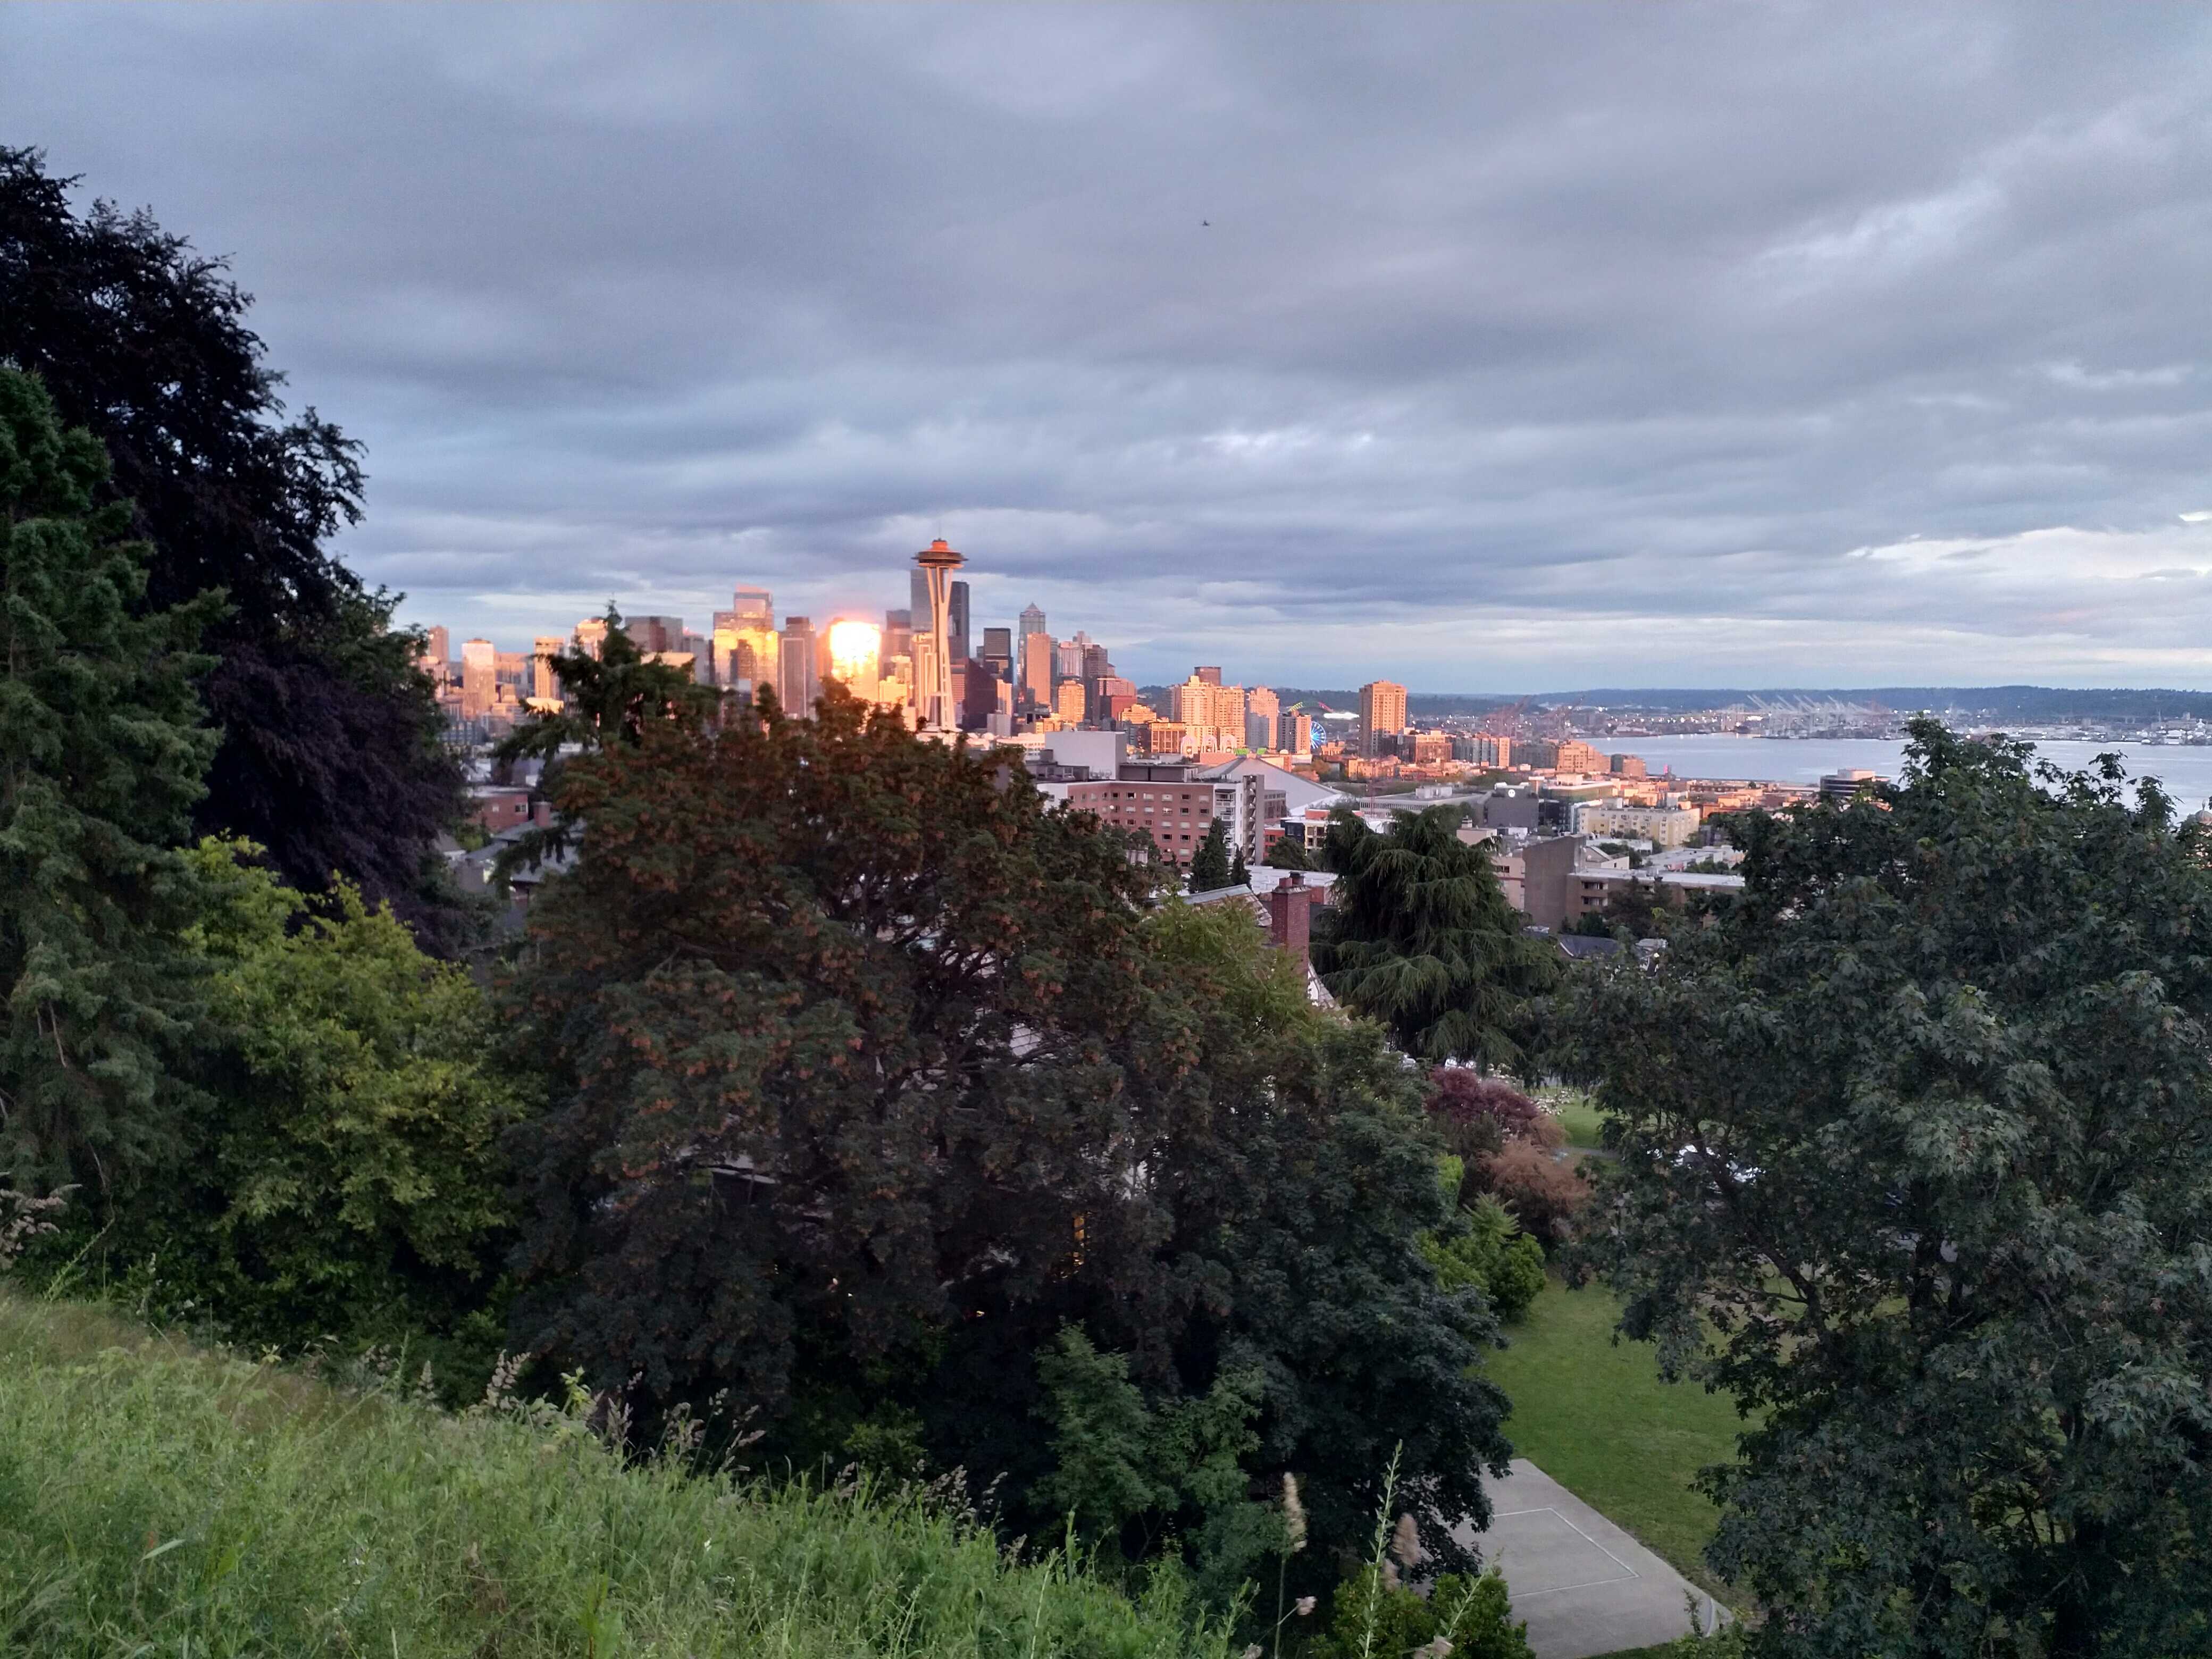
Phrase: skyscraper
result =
(999, 651)
(479, 678)
(747, 652)
(1260, 707)
(542, 680)
(1032, 622)
(1037, 666)
(1382, 714)
(1214, 714)
(956, 627)
(652, 634)
(751, 605)
(798, 682)
(437, 656)
(856, 655)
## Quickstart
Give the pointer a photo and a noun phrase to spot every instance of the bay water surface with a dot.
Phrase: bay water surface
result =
(2184, 771)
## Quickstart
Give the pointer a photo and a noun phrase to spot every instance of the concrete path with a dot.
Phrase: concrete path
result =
(1585, 1587)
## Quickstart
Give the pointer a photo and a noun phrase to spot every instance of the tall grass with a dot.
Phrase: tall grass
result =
(155, 1499)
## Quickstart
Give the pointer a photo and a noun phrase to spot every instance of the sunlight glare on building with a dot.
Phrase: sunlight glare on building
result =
(855, 651)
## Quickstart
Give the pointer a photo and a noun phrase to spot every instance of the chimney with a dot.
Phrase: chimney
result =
(1290, 920)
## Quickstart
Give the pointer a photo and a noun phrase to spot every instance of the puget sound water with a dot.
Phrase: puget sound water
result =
(2184, 771)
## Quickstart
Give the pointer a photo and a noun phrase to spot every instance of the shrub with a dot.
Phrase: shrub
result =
(343, 1178)
(1490, 1252)
(1544, 1194)
(1377, 1617)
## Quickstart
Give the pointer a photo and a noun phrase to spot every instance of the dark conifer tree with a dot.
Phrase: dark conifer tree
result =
(101, 751)
(1418, 935)
(1209, 866)
(329, 754)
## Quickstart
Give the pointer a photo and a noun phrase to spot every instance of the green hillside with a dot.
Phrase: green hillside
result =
(158, 1499)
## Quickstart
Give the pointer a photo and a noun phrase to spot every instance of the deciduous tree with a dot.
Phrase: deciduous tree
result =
(870, 1073)
(1915, 1156)
(343, 1177)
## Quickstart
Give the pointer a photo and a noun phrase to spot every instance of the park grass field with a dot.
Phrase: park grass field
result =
(1577, 1114)
(1596, 1417)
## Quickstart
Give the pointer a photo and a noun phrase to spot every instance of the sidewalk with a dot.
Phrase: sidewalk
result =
(1585, 1586)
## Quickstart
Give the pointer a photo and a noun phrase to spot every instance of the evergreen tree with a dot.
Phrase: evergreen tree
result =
(1209, 865)
(1418, 935)
(101, 752)
(1239, 875)
(1289, 853)
(614, 698)
(331, 755)
(1915, 1156)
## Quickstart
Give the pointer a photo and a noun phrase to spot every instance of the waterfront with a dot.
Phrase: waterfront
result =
(2184, 772)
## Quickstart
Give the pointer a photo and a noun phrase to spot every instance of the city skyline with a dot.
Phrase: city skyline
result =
(1478, 349)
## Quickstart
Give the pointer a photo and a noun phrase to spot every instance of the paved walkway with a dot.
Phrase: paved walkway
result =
(1585, 1587)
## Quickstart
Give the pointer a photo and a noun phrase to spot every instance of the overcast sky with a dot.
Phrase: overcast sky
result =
(1481, 348)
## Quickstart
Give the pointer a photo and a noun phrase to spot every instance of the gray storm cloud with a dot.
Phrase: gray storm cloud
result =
(1526, 346)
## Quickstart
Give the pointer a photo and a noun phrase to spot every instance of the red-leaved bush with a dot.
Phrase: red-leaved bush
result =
(1544, 1191)
(1463, 1097)
(1508, 1145)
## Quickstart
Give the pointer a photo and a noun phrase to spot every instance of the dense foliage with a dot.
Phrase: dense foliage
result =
(100, 756)
(870, 1077)
(329, 754)
(1509, 1150)
(342, 1176)
(1419, 936)
(1915, 1156)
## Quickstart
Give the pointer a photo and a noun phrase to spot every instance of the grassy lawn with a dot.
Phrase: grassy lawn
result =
(1596, 1419)
(1577, 1116)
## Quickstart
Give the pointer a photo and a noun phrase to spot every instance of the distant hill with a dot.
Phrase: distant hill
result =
(2027, 704)
(1433, 704)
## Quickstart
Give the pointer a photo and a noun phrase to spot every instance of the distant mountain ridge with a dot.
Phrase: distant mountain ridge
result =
(2034, 704)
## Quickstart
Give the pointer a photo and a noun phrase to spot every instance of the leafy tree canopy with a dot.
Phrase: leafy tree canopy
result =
(1419, 936)
(343, 1176)
(1915, 1156)
(329, 754)
(101, 751)
(870, 1076)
